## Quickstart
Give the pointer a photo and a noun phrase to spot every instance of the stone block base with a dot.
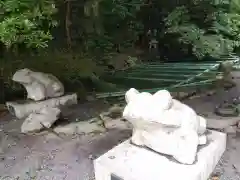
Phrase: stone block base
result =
(128, 162)
(24, 108)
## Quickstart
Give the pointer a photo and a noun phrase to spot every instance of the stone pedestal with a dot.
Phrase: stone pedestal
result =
(24, 108)
(40, 114)
(129, 162)
(45, 100)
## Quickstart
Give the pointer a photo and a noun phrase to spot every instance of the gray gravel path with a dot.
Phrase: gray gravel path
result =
(47, 157)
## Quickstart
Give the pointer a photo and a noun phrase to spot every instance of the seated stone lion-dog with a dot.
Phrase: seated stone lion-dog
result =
(164, 124)
(39, 86)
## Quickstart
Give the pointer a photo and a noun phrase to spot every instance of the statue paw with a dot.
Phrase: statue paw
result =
(202, 140)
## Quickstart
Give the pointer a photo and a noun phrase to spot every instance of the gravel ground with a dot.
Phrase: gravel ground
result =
(48, 157)
(228, 167)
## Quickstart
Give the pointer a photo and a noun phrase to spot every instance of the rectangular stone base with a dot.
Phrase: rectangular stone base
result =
(24, 108)
(128, 162)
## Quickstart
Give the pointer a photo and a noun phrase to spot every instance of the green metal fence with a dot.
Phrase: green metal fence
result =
(176, 76)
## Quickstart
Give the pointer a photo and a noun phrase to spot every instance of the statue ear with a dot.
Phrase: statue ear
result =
(28, 73)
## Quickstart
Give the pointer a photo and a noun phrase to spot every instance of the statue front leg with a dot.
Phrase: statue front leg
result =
(137, 137)
(187, 145)
(35, 90)
(202, 139)
(202, 125)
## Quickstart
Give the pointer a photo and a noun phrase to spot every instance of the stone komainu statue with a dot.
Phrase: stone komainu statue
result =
(165, 125)
(39, 85)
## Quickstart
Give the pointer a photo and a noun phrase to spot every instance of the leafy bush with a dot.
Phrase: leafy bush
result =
(97, 34)
(209, 28)
(26, 22)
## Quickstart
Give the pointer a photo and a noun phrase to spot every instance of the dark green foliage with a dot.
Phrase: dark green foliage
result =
(95, 35)
(207, 27)
(26, 21)
(202, 27)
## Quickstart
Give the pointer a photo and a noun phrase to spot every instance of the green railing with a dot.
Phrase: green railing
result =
(151, 77)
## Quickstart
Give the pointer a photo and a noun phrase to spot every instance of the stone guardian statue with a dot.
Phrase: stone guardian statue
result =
(39, 86)
(164, 124)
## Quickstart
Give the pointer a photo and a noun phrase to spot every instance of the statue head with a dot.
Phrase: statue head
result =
(131, 94)
(163, 99)
(22, 76)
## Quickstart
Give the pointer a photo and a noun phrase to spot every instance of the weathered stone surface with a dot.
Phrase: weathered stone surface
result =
(37, 121)
(115, 111)
(118, 123)
(112, 119)
(25, 108)
(231, 130)
(83, 127)
(130, 162)
(39, 85)
(215, 123)
(165, 124)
